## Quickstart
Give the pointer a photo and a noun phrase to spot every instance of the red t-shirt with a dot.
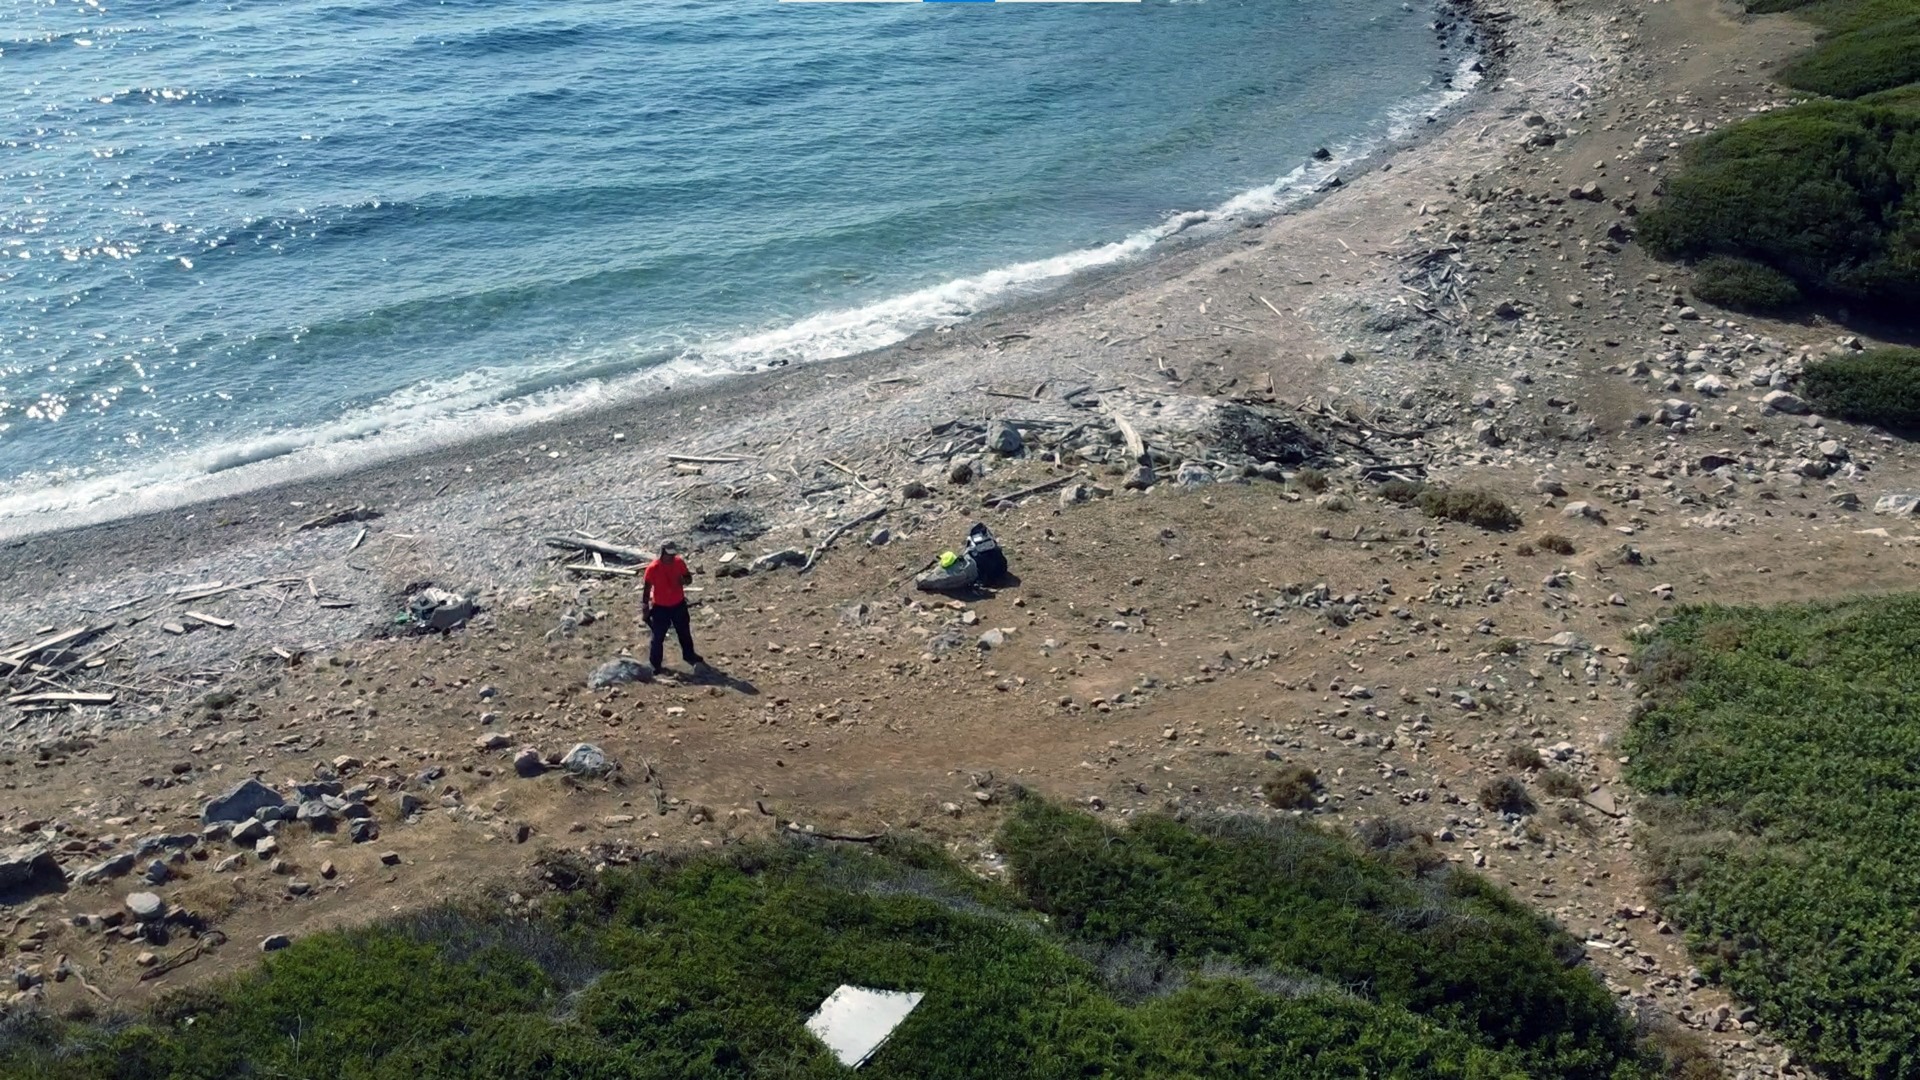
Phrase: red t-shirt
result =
(668, 576)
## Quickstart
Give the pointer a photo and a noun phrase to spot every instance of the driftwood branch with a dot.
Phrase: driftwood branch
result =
(339, 517)
(839, 531)
(611, 551)
(1136, 446)
(1015, 496)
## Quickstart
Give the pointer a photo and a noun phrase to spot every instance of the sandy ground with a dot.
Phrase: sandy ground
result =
(1458, 315)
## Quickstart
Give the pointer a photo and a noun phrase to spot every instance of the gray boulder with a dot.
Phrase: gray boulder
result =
(586, 759)
(244, 801)
(1192, 475)
(112, 868)
(1004, 439)
(528, 762)
(1783, 401)
(774, 560)
(146, 906)
(20, 864)
(438, 609)
(623, 669)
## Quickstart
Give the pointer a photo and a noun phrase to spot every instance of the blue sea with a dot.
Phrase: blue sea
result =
(253, 238)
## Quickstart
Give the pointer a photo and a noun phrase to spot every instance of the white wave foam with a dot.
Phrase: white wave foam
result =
(445, 411)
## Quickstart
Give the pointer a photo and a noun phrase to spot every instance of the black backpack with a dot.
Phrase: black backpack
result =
(985, 552)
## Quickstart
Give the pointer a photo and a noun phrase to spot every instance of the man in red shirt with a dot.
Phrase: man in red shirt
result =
(663, 603)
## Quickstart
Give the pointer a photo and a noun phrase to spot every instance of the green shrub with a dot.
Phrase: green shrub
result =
(1470, 505)
(1820, 192)
(1507, 646)
(1744, 285)
(1880, 386)
(1878, 56)
(1555, 543)
(1778, 777)
(1561, 785)
(1525, 757)
(1290, 898)
(1403, 492)
(1232, 948)
(1506, 795)
(1293, 787)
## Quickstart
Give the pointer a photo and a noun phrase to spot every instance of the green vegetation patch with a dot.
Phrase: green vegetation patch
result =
(1879, 386)
(1237, 948)
(1878, 56)
(1824, 193)
(1744, 285)
(1782, 748)
(1282, 897)
(1471, 506)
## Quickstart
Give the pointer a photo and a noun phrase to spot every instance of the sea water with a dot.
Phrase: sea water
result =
(246, 239)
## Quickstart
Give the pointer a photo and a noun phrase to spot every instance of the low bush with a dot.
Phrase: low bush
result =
(1554, 542)
(1744, 285)
(1821, 193)
(1880, 55)
(1525, 757)
(1228, 948)
(1506, 795)
(1775, 761)
(1311, 479)
(1880, 386)
(1404, 492)
(1292, 787)
(1507, 646)
(1561, 785)
(1283, 895)
(1472, 506)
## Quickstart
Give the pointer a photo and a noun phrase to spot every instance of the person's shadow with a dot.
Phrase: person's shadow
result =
(708, 675)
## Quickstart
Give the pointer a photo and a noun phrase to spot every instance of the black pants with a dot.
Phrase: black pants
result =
(676, 617)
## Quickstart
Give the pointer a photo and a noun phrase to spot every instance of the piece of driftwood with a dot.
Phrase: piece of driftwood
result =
(698, 459)
(61, 699)
(211, 620)
(839, 531)
(217, 590)
(611, 571)
(1015, 496)
(185, 956)
(611, 551)
(339, 517)
(1136, 446)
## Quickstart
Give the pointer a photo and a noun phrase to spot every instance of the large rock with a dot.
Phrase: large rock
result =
(1783, 401)
(146, 906)
(1193, 474)
(20, 864)
(528, 762)
(438, 609)
(102, 871)
(245, 800)
(773, 560)
(623, 669)
(586, 759)
(1004, 439)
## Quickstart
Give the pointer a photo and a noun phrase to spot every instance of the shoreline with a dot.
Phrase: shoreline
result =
(1201, 230)
(541, 471)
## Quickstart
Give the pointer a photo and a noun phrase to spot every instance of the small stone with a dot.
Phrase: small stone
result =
(774, 560)
(880, 537)
(1141, 478)
(1004, 439)
(1583, 511)
(274, 942)
(390, 858)
(992, 639)
(950, 809)
(158, 873)
(327, 870)
(111, 868)
(1075, 494)
(266, 847)
(145, 959)
(363, 830)
(496, 740)
(528, 763)
(1192, 475)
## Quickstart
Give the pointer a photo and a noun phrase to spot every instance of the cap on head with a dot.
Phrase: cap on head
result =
(668, 547)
